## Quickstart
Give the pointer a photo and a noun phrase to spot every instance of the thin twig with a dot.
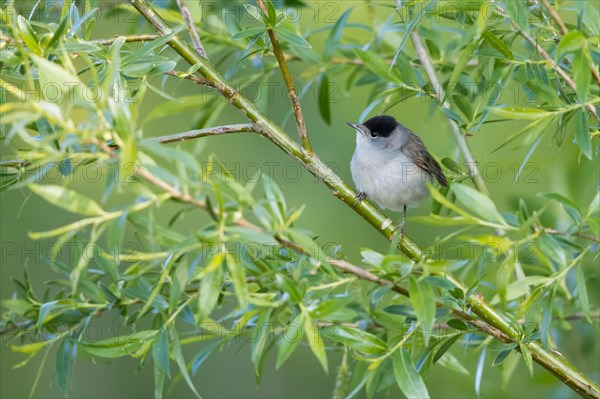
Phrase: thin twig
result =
(212, 131)
(291, 87)
(577, 234)
(189, 21)
(555, 16)
(563, 30)
(129, 39)
(193, 78)
(459, 137)
(544, 54)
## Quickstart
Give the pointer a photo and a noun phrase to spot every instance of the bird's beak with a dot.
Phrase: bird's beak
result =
(357, 126)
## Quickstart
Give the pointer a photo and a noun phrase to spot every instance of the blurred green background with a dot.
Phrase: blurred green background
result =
(230, 374)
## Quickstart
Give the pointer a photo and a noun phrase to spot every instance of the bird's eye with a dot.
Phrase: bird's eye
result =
(373, 135)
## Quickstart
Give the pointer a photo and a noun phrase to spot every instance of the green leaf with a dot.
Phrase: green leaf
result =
(29, 348)
(582, 133)
(335, 35)
(254, 12)
(54, 75)
(290, 338)
(584, 301)
(505, 272)
(447, 344)
(378, 66)
(501, 357)
(68, 199)
(357, 339)
(325, 100)
(520, 113)
(64, 364)
(148, 48)
(498, 44)
(178, 355)
(28, 35)
(160, 352)
(58, 34)
(462, 62)
(518, 288)
(478, 203)
(124, 345)
(571, 42)
(238, 277)
(568, 205)
(292, 38)
(315, 341)
(423, 302)
(527, 357)
(249, 32)
(581, 73)
(210, 288)
(409, 381)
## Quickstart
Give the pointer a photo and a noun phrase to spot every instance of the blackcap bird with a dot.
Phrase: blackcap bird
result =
(391, 165)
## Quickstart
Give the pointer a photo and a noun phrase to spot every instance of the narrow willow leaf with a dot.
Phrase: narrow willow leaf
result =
(357, 339)
(462, 62)
(478, 203)
(58, 34)
(582, 133)
(179, 359)
(336, 34)
(378, 66)
(64, 363)
(527, 357)
(68, 199)
(581, 73)
(29, 348)
(572, 41)
(501, 357)
(160, 352)
(290, 338)
(249, 32)
(479, 371)
(505, 271)
(409, 381)
(584, 301)
(238, 277)
(445, 347)
(210, 288)
(159, 381)
(124, 345)
(292, 38)
(325, 100)
(498, 44)
(28, 35)
(519, 113)
(315, 341)
(570, 207)
(422, 299)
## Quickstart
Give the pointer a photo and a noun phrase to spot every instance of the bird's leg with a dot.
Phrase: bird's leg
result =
(359, 197)
(403, 221)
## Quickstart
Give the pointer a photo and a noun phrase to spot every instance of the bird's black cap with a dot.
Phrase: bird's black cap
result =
(383, 125)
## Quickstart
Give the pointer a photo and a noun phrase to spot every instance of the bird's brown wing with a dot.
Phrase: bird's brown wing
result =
(417, 152)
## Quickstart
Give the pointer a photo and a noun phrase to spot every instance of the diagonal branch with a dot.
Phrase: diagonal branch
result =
(189, 22)
(553, 362)
(291, 87)
(563, 30)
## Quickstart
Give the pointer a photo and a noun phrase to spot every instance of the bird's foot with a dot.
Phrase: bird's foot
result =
(359, 197)
(400, 227)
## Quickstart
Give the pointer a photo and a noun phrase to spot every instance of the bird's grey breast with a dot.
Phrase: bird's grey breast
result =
(388, 176)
